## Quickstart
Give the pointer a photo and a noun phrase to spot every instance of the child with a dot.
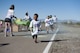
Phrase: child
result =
(8, 21)
(27, 17)
(34, 27)
(55, 21)
(47, 24)
(51, 22)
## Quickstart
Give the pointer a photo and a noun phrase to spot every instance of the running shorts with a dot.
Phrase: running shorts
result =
(8, 20)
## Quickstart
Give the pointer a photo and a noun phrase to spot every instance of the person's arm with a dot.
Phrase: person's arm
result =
(31, 26)
(45, 21)
(14, 17)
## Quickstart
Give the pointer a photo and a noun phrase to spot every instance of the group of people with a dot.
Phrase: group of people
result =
(34, 26)
(9, 19)
(49, 22)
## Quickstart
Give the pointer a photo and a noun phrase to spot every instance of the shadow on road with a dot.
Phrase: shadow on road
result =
(52, 40)
(4, 44)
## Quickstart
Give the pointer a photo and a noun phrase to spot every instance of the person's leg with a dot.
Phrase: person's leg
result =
(52, 28)
(40, 29)
(5, 31)
(55, 26)
(47, 28)
(10, 30)
(35, 38)
(27, 28)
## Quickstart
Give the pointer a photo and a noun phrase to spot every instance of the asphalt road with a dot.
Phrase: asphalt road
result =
(22, 42)
(67, 40)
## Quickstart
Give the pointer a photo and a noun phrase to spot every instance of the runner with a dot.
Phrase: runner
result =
(40, 29)
(34, 27)
(55, 21)
(8, 20)
(28, 18)
(47, 24)
(51, 22)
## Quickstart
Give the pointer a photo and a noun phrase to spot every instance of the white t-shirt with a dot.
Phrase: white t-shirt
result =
(35, 25)
(47, 23)
(55, 19)
(10, 13)
(51, 21)
(27, 17)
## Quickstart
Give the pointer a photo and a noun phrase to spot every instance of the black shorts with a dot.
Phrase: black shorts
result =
(34, 36)
(51, 26)
(8, 20)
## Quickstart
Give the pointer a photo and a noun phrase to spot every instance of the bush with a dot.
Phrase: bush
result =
(78, 23)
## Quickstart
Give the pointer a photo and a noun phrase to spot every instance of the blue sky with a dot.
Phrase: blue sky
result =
(63, 9)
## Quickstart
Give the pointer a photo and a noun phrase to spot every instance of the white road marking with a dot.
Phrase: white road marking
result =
(50, 43)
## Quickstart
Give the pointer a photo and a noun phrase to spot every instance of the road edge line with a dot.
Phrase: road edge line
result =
(46, 50)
